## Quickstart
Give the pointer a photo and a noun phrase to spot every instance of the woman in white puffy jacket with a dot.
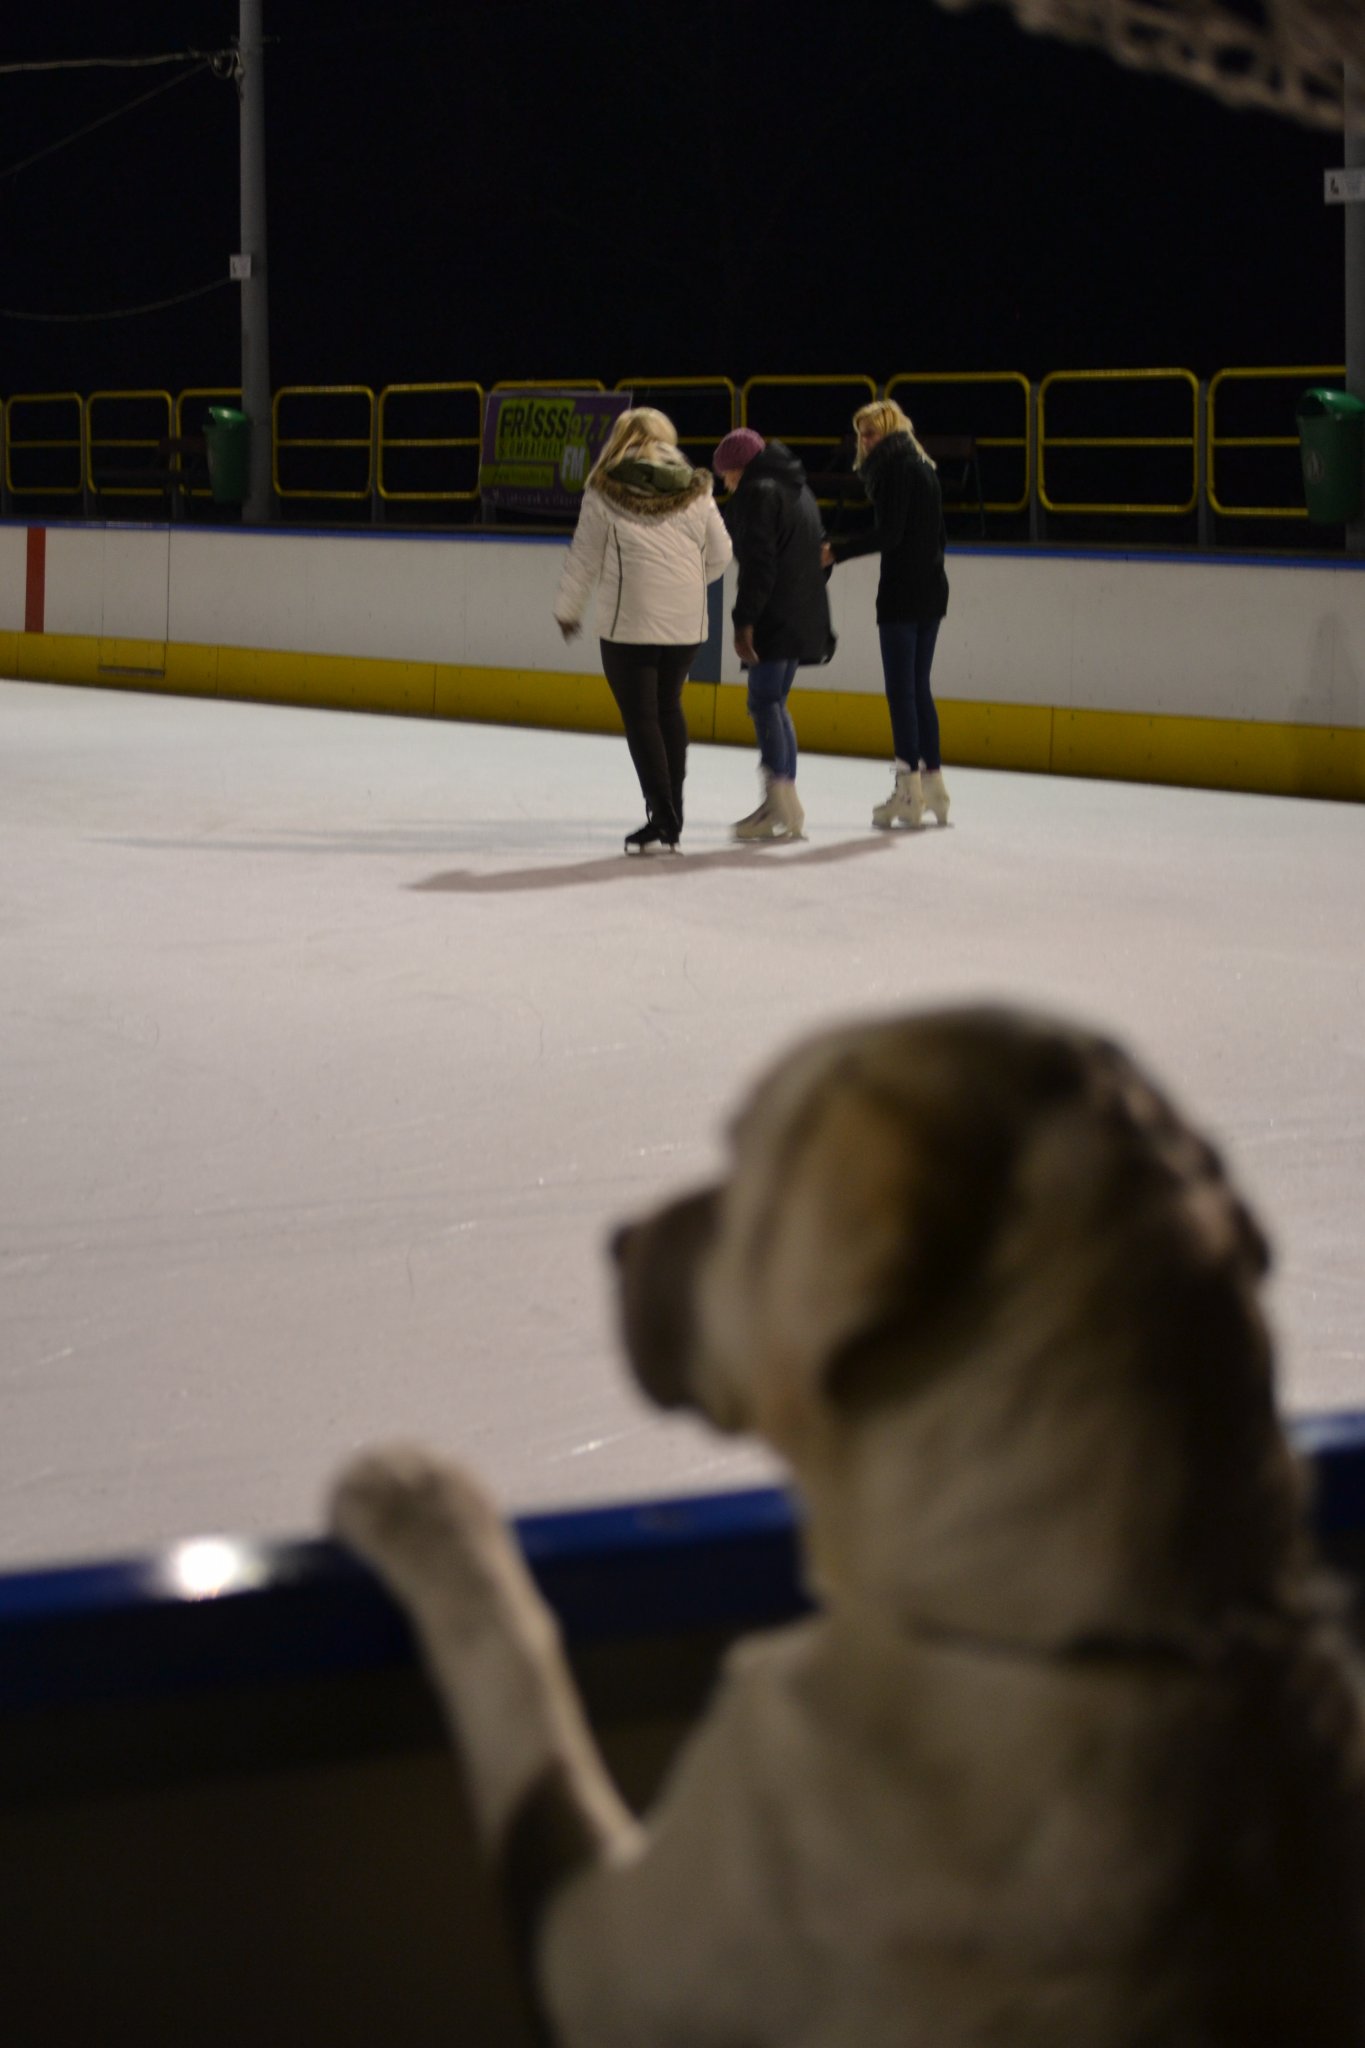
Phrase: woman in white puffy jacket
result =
(649, 540)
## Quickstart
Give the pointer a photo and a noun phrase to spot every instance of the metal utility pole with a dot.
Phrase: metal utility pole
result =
(251, 265)
(1354, 103)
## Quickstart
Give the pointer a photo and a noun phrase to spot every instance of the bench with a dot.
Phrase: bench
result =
(953, 455)
(181, 465)
(958, 472)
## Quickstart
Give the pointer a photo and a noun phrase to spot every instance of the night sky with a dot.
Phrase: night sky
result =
(529, 189)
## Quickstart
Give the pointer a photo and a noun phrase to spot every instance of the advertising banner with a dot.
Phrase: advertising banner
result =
(538, 447)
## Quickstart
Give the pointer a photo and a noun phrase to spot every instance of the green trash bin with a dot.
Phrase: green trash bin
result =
(1332, 444)
(227, 444)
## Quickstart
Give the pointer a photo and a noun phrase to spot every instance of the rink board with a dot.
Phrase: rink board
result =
(235, 1818)
(1214, 671)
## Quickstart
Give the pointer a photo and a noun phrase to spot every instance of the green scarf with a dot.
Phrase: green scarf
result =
(662, 479)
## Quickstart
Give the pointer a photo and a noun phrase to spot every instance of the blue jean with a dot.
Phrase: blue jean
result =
(769, 682)
(907, 657)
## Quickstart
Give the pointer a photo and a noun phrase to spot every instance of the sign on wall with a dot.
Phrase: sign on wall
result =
(538, 446)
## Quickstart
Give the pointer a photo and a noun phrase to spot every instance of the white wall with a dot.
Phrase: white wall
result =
(1257, 641)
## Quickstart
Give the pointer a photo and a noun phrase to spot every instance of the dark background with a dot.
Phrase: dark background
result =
(639, 187)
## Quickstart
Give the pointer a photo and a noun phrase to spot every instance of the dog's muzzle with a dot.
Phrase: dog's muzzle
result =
(657, 1263)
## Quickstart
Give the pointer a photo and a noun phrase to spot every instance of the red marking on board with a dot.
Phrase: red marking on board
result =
(35, 585)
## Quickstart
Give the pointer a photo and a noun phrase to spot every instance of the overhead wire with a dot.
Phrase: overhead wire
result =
(109, 63)
(53, 148)
(198, 291)
(221, 62)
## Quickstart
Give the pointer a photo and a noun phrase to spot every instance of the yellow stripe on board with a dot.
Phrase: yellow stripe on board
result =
(524, 696)
(1211, 753)
(1202, 753)
(56, 658)
(134, 658)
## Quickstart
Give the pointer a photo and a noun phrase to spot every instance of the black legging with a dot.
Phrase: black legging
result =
(647, 683)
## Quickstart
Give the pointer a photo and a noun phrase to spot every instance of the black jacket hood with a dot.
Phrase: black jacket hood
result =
(777, 463)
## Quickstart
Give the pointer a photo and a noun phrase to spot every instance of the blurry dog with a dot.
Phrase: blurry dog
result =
(1072, 1753)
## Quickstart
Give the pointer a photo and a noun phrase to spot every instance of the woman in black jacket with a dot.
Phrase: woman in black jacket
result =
(781, 610)
(912, 598)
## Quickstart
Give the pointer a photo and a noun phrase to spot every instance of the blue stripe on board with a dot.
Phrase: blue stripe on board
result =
(129, 1630)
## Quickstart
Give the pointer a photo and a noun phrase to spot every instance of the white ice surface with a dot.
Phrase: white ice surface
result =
(333, 1045)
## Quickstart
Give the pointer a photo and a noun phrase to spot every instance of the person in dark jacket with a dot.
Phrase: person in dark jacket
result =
(912, 600)
(781, 613)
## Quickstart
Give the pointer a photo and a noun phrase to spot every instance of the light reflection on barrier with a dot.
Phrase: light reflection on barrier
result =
(206, 1567)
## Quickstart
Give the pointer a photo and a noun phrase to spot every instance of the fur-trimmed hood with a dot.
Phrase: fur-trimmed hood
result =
(650, 486)
(649, 539)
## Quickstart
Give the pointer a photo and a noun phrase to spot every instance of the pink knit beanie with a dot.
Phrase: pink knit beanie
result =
(738, 450)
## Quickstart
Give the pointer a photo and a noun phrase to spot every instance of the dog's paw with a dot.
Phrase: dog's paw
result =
(402, 1508)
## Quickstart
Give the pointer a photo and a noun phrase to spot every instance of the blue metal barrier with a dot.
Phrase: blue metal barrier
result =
(229, 1812)
(277, 1611)
(280, 1611)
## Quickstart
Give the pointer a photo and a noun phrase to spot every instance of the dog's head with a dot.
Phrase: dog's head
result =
(991, 1215)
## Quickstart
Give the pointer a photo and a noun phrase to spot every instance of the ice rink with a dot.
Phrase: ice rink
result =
(333, 1045)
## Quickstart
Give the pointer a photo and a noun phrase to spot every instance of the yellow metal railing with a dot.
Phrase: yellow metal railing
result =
(857, 389)
(973, 381)
(29, 444)
(387, 441)
(1297, 371)
(224, 394)
(290, 393)
(139, 403)
(1181, 379)
(57, 443)
(664, 390)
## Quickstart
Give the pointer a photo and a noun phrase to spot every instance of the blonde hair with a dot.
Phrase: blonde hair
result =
(644, 427)
(886, 416)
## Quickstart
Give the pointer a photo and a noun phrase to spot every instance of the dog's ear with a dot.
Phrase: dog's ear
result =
(836, 1248)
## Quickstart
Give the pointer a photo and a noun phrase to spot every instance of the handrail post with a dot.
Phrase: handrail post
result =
(1037, 522)
(179, 503)
(1203, 513)
(5, 507)
(376, 496)
(87, 495)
